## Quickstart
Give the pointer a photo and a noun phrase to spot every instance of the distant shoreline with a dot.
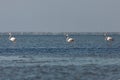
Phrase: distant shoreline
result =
(59, 33)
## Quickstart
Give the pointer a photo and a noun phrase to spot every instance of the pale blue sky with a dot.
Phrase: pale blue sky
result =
(59, 15)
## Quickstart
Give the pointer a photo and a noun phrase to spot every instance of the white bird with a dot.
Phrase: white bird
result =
(108, 38)
(11, 38)
(69, 39)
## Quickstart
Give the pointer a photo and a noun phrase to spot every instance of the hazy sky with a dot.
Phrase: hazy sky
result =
(59, 15)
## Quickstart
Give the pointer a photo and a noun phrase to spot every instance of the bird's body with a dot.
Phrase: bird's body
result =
(109, 38)
(69, 39)
(11, 38)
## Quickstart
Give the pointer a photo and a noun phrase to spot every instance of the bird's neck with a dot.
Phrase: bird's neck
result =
(10, 36)
(67, 37)
(105, 36)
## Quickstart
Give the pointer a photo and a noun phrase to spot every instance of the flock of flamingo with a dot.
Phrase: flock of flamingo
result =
(68, 39)
(107, 38)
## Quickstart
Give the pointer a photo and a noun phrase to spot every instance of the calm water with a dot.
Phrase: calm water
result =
(49, 57)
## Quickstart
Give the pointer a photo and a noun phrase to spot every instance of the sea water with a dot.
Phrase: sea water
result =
(50, 57)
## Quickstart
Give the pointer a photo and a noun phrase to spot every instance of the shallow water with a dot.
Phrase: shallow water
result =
(49, 57)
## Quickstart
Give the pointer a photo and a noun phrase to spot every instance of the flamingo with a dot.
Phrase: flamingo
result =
(69, 39)
(108, 38)
(11, 38)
